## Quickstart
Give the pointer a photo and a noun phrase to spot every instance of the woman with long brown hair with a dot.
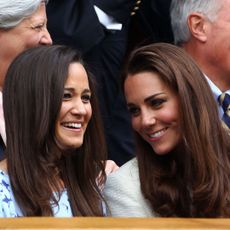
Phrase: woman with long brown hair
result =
(55, 146)
(182, 168)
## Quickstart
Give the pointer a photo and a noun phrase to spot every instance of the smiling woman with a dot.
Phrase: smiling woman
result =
(154, 110)
(76, 109)
(55, 144)
(22, 26)
(183, 153)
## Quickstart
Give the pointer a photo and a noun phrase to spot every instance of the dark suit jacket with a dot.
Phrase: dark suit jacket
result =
(75, 23)
(119, 9)
(155, 18)
(151, 23)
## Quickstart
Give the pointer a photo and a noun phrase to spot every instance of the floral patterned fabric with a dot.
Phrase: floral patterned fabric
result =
(10, 208)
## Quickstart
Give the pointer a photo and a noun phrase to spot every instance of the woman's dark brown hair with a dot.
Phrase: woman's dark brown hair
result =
(32, 95)
(194, 179)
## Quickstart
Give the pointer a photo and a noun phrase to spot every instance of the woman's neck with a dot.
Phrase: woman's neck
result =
(3, 165)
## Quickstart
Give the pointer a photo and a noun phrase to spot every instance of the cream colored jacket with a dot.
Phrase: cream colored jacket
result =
(123, 194)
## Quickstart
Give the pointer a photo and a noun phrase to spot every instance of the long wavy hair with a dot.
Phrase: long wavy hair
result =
(194, 179)
(32, 98)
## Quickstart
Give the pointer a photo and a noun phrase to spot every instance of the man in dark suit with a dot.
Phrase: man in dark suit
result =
(150, 23)
(102, 39)
(202, 28)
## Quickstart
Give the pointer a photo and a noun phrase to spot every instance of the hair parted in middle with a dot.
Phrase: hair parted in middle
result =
(32, 98)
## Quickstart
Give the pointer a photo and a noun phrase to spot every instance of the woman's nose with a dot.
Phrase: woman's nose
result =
(46, 38)
(148, 118)
(78, 108)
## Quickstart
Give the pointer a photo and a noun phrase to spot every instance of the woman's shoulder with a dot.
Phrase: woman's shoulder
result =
(123, 194)
(129, 169)
(4, 180)
(63, 209)
(126, 177)
(8, 207)
(5, 188)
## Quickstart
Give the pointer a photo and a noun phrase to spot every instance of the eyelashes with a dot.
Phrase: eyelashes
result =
(134, 111)
(154, 104)
(84, 97)
(38, 27)
(157, 102)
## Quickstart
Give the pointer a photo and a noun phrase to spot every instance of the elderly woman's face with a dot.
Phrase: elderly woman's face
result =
(29, 33)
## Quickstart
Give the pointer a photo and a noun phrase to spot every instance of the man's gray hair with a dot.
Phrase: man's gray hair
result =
(180, 11)
(12, 12)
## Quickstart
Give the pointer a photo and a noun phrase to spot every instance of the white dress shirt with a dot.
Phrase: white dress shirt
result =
(106, 20)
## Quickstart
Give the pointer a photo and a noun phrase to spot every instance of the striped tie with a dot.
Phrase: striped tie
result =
(224, 100)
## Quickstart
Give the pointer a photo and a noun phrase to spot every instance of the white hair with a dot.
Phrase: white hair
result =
(12, 12)
(180, 11)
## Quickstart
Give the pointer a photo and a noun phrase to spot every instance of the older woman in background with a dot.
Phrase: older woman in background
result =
(22, 26)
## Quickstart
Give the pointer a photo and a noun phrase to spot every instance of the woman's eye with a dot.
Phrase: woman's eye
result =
(133, 111)
(157, 102)
(86, 98)
(67, 96)
(38, 27)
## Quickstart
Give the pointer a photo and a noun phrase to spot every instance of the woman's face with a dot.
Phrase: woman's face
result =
(76, 109)
(154, 110)
(29, 33)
